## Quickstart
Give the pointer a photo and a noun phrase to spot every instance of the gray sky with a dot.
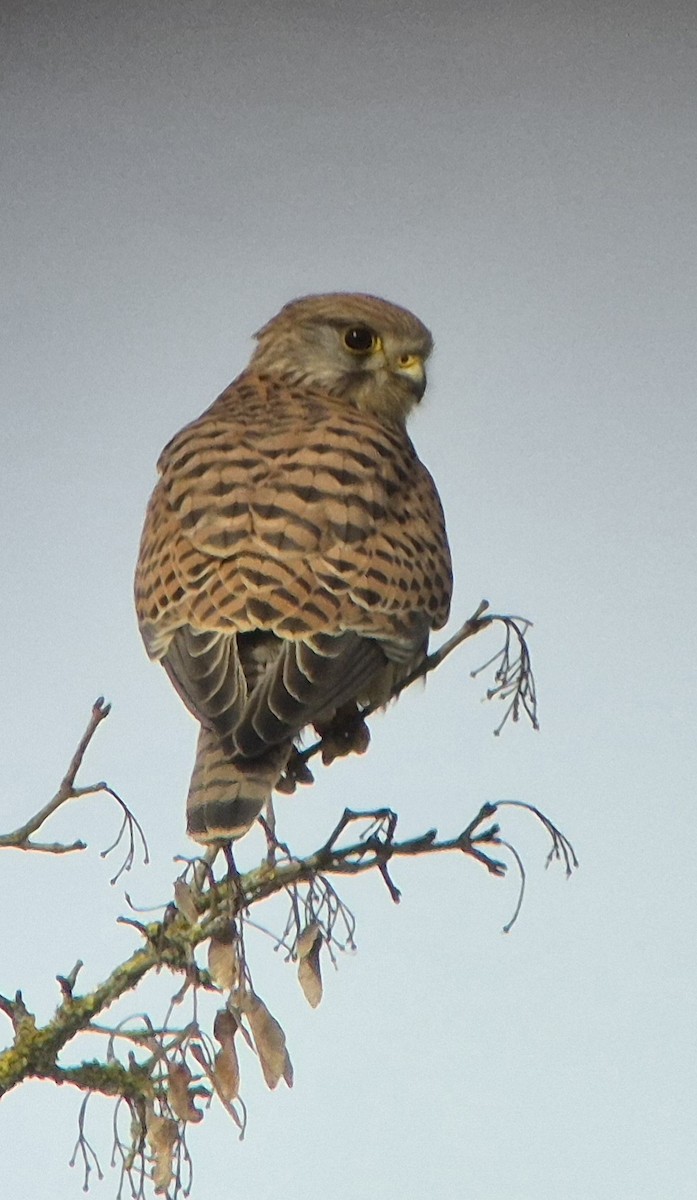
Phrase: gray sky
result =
(521, 175)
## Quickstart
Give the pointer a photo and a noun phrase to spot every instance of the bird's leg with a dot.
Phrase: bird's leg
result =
(268, 824)
(234, 879)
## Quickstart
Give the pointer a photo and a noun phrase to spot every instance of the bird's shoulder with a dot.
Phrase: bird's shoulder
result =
(261, 425)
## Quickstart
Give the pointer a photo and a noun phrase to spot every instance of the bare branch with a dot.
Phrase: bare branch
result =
(513, 682)
(521, 870)
(20, 838)
(43, 847)
(471, 626)
(67, 982)
(171, 942)
(561, 848)
(158, 1072)
(87, 1153)
(130, 826)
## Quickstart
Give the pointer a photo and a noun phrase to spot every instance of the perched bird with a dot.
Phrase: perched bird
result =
(294, 555)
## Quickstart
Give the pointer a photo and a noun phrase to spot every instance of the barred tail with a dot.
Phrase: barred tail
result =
(225, 798)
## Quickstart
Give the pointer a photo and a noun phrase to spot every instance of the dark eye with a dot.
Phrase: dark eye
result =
(360, 339)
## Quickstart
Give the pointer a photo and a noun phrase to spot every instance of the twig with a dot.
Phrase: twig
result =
(85, 1150)
(131, 825)
(20, 838)
(561, 848)
(521, 894)
(471, 626)
(67, 982)
(513, 680)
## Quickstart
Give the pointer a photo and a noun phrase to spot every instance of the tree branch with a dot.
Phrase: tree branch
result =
(172, 941)
(513, 682)
(130, 831)
(171, 1064)
(20, 838)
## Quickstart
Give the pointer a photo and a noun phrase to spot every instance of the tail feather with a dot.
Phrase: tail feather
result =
(226, 797)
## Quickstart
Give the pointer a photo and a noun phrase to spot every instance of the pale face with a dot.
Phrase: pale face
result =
(359, 348)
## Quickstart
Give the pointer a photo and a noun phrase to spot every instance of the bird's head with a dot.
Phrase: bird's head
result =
(356, 347)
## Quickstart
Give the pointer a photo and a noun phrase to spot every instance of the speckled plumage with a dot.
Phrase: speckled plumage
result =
(294, 555)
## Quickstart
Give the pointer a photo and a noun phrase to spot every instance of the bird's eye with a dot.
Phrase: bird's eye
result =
(360, 339)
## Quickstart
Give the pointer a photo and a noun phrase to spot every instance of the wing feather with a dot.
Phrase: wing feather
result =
(288, 517)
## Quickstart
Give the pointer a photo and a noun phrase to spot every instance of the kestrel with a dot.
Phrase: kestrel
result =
(294, 555)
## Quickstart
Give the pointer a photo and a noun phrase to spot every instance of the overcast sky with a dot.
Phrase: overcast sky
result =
(522, 175)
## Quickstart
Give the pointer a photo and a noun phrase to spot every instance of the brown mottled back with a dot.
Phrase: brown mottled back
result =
(294, 555)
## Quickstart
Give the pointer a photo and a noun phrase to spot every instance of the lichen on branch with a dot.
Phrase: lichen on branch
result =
(164, 1075)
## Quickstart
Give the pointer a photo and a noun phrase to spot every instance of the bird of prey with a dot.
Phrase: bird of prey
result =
(294, 555)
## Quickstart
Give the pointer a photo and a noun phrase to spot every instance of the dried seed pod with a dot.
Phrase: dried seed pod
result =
(308, 948)
(179, 1093)
(223, 962)
(162, 1134)
(184, 900)
(269, 1040)
(226, 1072)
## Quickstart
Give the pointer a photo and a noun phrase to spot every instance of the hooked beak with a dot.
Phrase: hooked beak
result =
(411, 368)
